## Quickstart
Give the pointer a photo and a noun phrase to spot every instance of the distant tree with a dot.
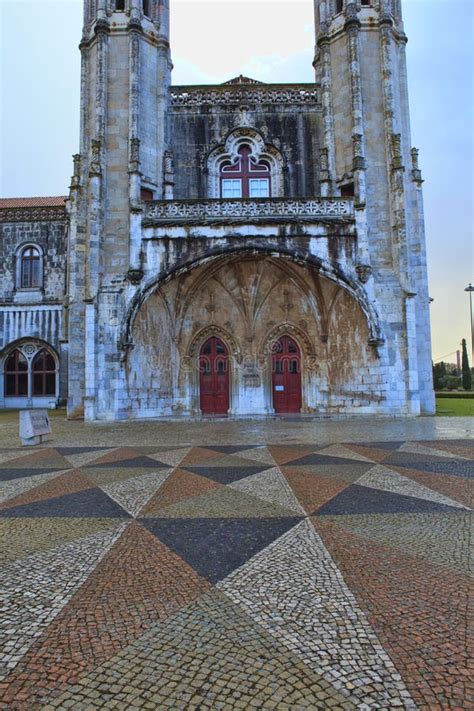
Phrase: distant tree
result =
(466, 371)
(439, 372)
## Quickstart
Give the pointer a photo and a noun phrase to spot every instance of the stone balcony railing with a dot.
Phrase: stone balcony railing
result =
(215, 211)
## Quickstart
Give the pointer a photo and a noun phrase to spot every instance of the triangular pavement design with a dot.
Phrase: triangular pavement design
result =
(363, 500)
(270, 485)
(341, 452)
(138, 582)
(389, 480)
(102, 476)
(172, 457)
(91, 503)
(115, 455)
(179, 486)
(15, 487)
(312, 490)
(418, 448)
(68, 483)
(214, 651)
(9, 454)
(80, 458)
(369, 452)
(133, 494)
(259, 454)
(231, 448)
(47, 458)
(16, 473)
(226, 503)
(198, 455)
(320, 460)
(463, 448)
(433, 537)
(141, 461)
(227, 475)
(215, 547)
(455, 487)
(282, 454)
(435, 465)
(30, 602)
(403, 594)
(44, 534)
(294, 590)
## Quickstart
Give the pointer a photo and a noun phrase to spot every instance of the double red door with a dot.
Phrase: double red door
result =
(214, 377)
(286, 376)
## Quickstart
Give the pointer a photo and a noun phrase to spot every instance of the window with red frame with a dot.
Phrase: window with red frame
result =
(30, 268)
(44, 374)
(16, 375)
(246, 178)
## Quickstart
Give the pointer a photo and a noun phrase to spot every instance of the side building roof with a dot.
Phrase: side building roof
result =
(33, 209)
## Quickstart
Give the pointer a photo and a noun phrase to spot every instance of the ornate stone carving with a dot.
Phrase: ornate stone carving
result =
(95, 159)
(76, 175)
(32, 214)
(358, 151)
(237, 94)
(174, 211)
(397, 160)
(135, 276)
(134, 154)
(364, 272)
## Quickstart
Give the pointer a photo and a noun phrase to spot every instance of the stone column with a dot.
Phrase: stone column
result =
(328, 157)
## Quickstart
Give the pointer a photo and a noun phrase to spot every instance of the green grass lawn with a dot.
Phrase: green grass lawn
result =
(12, 415)
(455, 407)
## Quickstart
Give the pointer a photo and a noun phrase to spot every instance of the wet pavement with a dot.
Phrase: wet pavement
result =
(311, 569)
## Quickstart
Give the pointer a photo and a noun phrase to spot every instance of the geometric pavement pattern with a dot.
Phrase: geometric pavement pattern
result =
(236, 577)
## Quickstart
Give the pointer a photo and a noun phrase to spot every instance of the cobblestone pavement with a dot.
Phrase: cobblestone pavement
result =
(236, 576)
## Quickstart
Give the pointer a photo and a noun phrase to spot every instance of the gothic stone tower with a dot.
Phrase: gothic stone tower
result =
(361, 67)
(246, 248)
(125, 80)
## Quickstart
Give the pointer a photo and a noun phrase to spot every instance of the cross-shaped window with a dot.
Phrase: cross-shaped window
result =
(246, 178)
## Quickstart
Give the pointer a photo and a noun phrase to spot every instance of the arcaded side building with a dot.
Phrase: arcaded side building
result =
(241, 249)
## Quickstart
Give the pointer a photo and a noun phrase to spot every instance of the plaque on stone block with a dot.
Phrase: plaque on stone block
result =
(34, 426)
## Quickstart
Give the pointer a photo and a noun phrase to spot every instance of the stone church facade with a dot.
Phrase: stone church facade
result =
(240, 249)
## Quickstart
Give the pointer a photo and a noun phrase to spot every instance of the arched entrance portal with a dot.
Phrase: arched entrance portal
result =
(286, 376)
(214, 377)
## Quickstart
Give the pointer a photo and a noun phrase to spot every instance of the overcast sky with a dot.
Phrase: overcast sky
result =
(270, 40)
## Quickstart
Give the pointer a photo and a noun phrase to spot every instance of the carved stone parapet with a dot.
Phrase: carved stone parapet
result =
(32, 214)
(364, 272)
(305, 94)
(288, 209)
(135, 276)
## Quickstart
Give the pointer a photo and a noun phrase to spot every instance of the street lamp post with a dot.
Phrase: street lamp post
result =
(470, 289)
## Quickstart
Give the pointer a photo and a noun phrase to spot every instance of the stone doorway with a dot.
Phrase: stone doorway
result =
(214, 377)
(286, 376)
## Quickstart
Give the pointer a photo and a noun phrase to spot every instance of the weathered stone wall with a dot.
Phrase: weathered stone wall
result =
(198, 128)
(34, 315)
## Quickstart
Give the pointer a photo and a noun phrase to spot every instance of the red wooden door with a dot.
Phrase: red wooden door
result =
(286, 376)
(214, 377)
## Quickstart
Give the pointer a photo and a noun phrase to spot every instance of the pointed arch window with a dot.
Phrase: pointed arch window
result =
(16, 375)
(245, 178)
(30, 268)
(44, 374)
